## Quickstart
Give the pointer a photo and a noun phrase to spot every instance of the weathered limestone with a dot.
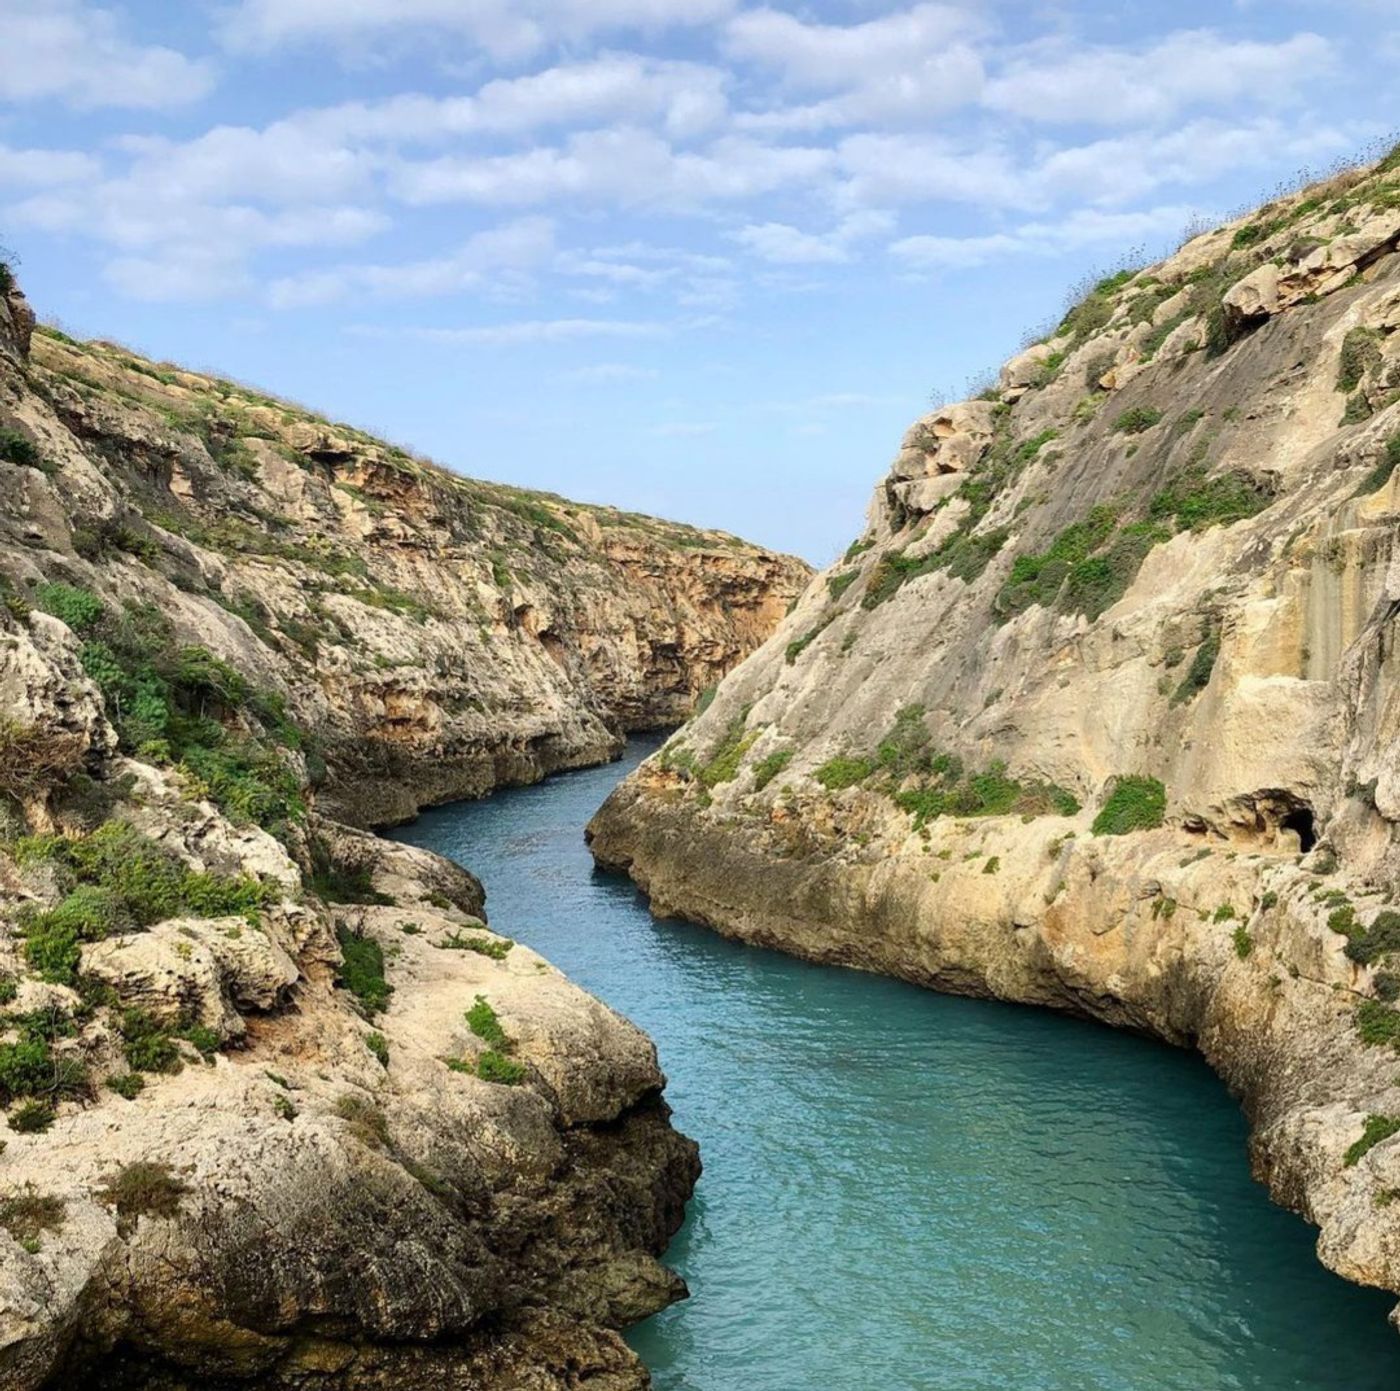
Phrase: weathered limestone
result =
(1174, 561)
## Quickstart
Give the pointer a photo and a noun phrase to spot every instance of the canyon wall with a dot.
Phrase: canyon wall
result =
(1099, 709)
(280, 1109)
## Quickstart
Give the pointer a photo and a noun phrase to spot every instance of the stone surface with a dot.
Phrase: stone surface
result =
(315, 1191)
(1175, 561)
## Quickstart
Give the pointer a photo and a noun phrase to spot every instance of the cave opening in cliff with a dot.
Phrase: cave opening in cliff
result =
(1300, 819)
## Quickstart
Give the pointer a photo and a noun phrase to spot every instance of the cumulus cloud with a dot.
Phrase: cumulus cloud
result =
(531, 331)
(507, 29)
(23, 169)
(77, 54)
(1116, 86)
(684, 99)
(904, 67)
(1085, 227)
(513, 247)
(781, 244)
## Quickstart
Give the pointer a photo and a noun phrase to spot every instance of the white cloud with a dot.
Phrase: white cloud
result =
(830, 57)
(611, 373)
(685, 99)
(624, 166)
(514, 246)
(507, 29)
(904, 67)
(43, 168)
(684, 429)
(532, 331)
(1115, 86)
(1085, 227)
(779, 243)
(76, 53)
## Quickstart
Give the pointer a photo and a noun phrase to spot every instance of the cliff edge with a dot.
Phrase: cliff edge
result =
(1100, 710)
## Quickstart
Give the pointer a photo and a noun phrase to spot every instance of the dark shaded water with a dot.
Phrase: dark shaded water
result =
(906, 1190)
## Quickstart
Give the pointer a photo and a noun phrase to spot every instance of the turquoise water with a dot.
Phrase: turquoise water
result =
(907, 1190)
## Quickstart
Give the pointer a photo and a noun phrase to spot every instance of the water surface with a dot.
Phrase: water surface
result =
(905, 1190)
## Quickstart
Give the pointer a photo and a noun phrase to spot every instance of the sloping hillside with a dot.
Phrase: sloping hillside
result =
(443, 636)
(279, 1107)
(1100, 709)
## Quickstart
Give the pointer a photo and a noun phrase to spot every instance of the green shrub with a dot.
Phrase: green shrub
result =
(336, 882)
(842, 772)
(147, 1045)
(1136, 804)
(1244, 943)
(367, 1122)
(483, 1021)
(496, 948)
(18, 448)
(127, 1084)
(143, 1189)
(1381, 474)
(1379, 939)
(52, 950)
(837, 585)
(362, 970)
(768, 768)
(1198, 674)
(1377, 1024)
(1361, 351)
(492, 1066)
(379, 1046)
(728, 755)
(31, 1118)
(28, 1213)
(1137, 419)
(799, 645)
(1376, 1129)
(79, 608)
(1193, 502)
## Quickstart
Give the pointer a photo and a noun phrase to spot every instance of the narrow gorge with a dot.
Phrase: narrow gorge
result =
(1099, 710)
(281, 1110)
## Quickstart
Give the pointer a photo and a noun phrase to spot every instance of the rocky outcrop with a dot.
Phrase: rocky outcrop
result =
(443, 636)
(1099, 711)
(280, 1109)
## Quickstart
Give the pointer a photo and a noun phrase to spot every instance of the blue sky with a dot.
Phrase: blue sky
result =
(705, 258)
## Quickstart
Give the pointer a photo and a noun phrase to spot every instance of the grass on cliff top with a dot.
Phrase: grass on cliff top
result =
(1136, 803)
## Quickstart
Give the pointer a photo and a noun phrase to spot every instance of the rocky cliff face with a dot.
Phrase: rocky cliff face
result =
(1099, 711)
(279, 1107)
(442, 635)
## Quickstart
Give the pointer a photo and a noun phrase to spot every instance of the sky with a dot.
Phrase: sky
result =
(701, 258)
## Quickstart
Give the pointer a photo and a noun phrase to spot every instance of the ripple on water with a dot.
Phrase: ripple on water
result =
(906, 1190)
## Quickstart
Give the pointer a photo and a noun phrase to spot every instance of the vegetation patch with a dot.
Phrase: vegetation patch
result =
(1368, 945)
(143, 1189)
(1378, 1025)
(497, 948)
(1376, 1129)
(1136, 803)
(768, 768)
(366, 1121)
(1137, 419)
(728, 755)
(120, 880)
(362, 970)
(843, 771)
(187, 707)
(1244, 943)
(17, 448)
(799, 645)
(1198, 674)
(484, 1022)
(1381, 474)
(28, 1214)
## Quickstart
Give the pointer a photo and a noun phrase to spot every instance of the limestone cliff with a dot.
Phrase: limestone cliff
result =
(279, 1108)
(442, 635)
(1099, 711)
